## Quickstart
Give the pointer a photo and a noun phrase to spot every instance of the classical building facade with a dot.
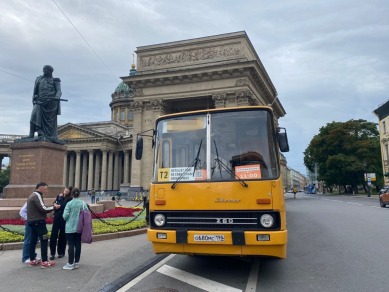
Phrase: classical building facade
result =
(209, 72)
(382, 112)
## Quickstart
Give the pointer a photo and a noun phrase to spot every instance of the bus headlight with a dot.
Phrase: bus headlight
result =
(266, 220)
(159, 220)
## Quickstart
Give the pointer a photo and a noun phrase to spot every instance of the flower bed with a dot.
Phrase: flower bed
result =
(115, 220)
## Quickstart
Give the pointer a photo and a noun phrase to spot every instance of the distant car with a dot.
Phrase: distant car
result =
(383, 190)
(384, 198)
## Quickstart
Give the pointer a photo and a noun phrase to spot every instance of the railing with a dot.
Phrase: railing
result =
(4, 138)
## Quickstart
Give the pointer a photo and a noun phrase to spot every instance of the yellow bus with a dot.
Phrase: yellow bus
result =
(216, 187)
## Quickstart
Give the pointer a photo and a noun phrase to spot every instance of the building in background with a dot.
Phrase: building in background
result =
(382, 112)
(203, 73)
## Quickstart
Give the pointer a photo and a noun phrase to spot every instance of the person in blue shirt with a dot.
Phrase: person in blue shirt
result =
(71, 215)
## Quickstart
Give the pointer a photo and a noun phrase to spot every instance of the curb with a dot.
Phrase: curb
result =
(98, 237)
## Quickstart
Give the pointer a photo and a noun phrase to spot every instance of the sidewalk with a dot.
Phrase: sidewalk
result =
(101, 263)
(109, 257)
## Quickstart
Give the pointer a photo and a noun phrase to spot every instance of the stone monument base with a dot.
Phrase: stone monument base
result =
(34, 162)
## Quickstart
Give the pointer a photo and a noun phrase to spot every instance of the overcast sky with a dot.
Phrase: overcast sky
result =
(328, 60)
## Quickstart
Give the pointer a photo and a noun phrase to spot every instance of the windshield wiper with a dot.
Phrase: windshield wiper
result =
(194, 163)
(229, 171)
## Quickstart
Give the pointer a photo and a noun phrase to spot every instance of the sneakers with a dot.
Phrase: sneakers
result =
(76, 265)
(69, 266)
(34, 262)
(52, 257)
(27, 261)
(47, 264)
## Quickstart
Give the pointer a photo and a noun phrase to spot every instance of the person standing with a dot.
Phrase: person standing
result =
(58, 236)
(36, 218)
(27, 237)
(71, 215)
(46, 105)
(294, 192)
(92, 194)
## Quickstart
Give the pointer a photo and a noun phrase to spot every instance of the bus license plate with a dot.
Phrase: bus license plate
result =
(208, 237)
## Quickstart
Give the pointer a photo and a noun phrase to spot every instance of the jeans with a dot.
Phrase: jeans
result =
(58, 232)
(93, 199)
(39, 230)
(26, 243)
(74, 244)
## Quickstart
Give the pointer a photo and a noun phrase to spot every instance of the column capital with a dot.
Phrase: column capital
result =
(219, 99)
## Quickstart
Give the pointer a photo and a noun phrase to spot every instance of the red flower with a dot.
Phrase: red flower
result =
(117, 212)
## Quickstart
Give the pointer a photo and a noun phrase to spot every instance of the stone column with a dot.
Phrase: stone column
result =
(71, 170)
(1, 161)
(78, 169)
(65, 170)
(84, 171)
(90, 170)
(96, 184)
(104, 170)
(116, 174)
(137, 109)
(110, 170)
(126, 167)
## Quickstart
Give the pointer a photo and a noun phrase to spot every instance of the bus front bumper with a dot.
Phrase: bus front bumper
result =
(266, 243)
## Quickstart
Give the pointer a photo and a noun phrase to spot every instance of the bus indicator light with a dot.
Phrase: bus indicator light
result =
(263, 237)
(161, 235)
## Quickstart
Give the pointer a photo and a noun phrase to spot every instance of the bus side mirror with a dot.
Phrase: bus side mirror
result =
(282, 140)
(139, 148)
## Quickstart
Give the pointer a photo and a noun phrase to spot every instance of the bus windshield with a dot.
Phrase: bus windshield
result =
(216, 146)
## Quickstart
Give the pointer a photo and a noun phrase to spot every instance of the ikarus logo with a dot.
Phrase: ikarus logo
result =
(224, 220)
(223, 200)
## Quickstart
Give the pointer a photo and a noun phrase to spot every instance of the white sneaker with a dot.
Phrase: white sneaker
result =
(27, 261)
(76, 265)
(68, 267)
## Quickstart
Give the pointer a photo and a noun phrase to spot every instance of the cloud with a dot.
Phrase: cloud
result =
(328, 60)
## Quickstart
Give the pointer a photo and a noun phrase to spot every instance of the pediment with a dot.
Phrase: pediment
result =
(72, 131)
(74, 134)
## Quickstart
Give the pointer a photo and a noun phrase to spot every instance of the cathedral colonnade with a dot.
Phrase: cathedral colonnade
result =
(100, 169)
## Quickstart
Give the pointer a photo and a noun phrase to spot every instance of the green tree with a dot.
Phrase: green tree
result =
(4, 178)
(343, 152)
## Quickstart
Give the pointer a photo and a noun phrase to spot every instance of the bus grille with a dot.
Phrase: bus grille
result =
(214, 220)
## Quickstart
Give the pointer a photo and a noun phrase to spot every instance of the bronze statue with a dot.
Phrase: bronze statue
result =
(46, 106)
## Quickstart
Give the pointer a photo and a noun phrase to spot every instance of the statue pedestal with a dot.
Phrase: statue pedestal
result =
(34, 162)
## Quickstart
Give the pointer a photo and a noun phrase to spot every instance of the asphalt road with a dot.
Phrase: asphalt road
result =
(335, 244)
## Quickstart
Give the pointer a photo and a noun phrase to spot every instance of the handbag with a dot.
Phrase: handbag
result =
(84, 225)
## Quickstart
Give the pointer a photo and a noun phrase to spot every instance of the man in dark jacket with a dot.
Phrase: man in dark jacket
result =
(36, 218)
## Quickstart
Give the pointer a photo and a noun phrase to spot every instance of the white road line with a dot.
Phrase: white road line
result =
(352, 203)
(253, 277)
(196, 281)
(145, 274)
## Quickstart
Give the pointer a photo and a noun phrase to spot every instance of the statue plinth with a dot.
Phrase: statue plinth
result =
(34, 162)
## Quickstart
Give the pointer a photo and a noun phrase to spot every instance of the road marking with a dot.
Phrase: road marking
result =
(352, 203)
(145, 274)
(253, 277)
(196, 281)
